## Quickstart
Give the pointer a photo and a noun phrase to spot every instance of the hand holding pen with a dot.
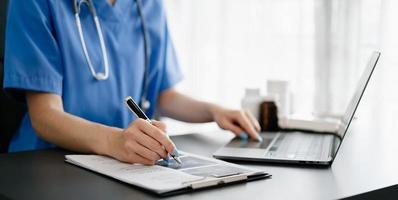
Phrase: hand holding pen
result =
(141, 142)
(163, 141)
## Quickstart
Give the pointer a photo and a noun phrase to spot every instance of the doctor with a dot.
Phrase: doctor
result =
(74, 62)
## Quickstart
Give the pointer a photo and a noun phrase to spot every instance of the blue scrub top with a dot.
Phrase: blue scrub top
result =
(44, 53)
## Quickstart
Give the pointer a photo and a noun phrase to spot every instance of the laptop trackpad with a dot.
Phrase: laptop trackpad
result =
(239, 143)
(247, 148)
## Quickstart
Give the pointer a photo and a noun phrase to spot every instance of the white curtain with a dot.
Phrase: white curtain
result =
(320, 46)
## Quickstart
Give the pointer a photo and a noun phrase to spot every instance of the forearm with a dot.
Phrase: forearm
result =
(69, 131)
(184, 108)
(181, 107)
(141, 142)
(74, 133)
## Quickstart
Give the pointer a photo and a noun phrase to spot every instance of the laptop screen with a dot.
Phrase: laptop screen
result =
(354, 102)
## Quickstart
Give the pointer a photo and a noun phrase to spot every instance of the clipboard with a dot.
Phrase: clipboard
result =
(198, 173)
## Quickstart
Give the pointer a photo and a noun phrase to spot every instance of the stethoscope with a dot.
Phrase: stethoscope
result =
(100, 76)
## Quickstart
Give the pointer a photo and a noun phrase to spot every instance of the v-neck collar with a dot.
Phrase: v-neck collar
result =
(115, 12)
(114, 2)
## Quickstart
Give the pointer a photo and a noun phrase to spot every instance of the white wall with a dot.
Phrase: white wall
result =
(321, 46)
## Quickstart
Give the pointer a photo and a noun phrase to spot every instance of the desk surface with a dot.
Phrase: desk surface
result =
(366, 161)
(357, 169)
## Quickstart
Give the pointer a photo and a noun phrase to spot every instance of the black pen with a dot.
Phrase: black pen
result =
(140, 114)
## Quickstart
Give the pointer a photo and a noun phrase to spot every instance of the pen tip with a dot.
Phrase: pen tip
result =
(178, 160)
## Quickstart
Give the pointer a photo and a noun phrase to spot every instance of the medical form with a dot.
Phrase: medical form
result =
(195, 172)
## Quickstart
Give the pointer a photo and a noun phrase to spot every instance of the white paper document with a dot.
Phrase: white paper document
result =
(195, 171)
(310, 123)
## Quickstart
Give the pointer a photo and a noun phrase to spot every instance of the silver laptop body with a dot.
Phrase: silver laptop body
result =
(296, 146)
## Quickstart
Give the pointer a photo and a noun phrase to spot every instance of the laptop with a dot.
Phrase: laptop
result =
(299, 147)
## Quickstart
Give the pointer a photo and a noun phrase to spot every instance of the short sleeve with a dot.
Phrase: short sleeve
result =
(171, 69)
(32, 57)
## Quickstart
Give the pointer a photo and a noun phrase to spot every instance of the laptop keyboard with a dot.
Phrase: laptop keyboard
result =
(298, 146)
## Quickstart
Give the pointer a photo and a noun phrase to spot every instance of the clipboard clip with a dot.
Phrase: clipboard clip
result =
(218, 180)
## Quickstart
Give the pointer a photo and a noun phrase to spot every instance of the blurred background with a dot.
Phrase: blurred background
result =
(319, 46)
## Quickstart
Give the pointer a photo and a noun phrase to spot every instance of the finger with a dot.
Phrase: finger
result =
(160, 125)
(253, 120)
(151, 144)
(157, 134)
(143, 151)
(135, 158)
(245, 123)
(227, 125)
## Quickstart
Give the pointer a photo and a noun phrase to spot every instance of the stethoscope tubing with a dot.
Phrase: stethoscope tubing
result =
(99, 76)
(144, 103)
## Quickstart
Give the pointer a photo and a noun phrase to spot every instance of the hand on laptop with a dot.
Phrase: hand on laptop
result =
(242, 123)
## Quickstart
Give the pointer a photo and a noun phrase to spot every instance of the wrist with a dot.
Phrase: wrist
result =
(108, 141)
(214, 110)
